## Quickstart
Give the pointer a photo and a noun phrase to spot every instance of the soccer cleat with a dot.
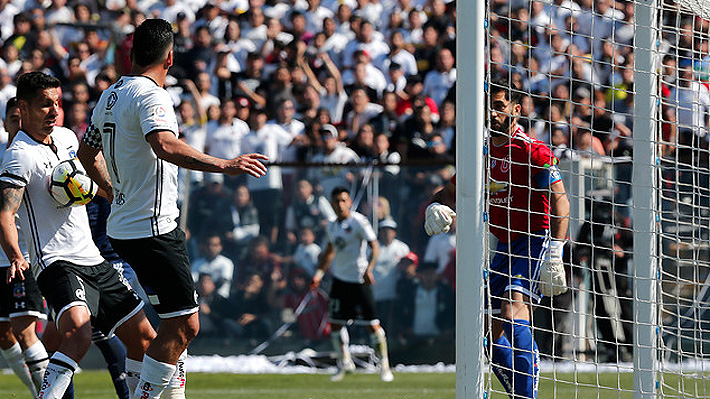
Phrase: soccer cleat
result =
(386, 375)
(347, 367)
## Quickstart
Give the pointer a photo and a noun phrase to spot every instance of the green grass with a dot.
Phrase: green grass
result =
(97, 385)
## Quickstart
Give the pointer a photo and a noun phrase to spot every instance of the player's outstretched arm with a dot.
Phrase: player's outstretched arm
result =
(95, 165)
(10, 199)
(166, 146)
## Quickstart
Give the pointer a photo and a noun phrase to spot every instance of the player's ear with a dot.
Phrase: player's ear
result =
(169, 60)
(516, 110)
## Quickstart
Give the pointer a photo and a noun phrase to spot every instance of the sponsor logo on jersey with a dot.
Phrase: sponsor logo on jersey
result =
(159, 114)
(495, 187)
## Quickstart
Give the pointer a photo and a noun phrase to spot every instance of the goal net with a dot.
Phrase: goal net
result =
(620, 91)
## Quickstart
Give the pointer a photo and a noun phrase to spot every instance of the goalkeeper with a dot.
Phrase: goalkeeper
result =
(528, 215)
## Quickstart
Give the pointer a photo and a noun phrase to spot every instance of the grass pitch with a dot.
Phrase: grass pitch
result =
(97, 385)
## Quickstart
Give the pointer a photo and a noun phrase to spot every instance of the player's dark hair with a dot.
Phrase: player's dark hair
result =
(339, 190)
(151, 41)
(11, 104)
(512, 93)
(31, 83)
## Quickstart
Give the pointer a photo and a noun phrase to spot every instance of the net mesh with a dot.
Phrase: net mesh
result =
(574, 63)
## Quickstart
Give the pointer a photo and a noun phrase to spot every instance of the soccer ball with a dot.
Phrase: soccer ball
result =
(69, 184)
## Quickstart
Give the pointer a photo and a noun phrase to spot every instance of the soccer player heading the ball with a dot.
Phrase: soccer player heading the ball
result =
(132, 150)
(529, 214)
(81, 288)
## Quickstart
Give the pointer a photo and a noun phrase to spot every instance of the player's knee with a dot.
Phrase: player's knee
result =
(79, 336)
(191, 329)
(6, 337)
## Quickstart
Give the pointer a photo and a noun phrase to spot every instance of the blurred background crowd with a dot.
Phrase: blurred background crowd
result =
(368, 85)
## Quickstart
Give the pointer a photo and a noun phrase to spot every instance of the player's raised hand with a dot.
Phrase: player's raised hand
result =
(248, 163)
(438, 218)
(553, 280)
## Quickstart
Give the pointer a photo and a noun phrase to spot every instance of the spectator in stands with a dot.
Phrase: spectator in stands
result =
(252, 304)
(439, 81)
(216, 312)
(386, 273)
(362, 111)
(244, 223)
(260, 260)
(313, 320)
(217, 266)
(224, 136)
(307, 210)
(427, 308)
(367, 41)
(208, 205)
(333, 152)
(307, 252)
(364, 142)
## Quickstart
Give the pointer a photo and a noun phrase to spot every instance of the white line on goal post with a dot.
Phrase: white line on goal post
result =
(644, 202)
(470, 256)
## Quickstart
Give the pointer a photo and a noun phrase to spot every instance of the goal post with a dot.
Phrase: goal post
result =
(470, 200)
(620, 91)
(644, 192)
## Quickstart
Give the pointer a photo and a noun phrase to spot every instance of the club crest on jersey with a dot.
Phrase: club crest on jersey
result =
(18, 291)
(112, 98)
(505, 166)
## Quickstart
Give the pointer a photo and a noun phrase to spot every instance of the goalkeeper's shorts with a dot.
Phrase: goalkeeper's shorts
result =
(516, 267)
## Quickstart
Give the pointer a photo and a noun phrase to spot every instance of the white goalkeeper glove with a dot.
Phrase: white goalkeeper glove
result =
(438, 218)
(552, 272)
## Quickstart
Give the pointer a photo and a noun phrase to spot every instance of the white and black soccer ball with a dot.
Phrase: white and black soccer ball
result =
(69, 184)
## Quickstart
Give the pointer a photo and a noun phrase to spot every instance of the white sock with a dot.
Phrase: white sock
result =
(176, 386)
(341, 343)
(379, 342)
(57, 376)
(133, 374)
(155, 377)
(16, 361)
(37, 360)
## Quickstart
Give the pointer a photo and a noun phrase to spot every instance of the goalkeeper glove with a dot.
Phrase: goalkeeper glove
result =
(552, 272)
(438, 218)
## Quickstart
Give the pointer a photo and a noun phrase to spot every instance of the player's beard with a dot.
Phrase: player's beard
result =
(502, 129)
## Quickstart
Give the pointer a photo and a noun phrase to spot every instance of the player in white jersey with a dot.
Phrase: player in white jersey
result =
(348, 237)
(21, 304)
(81, 288)
(132, 151)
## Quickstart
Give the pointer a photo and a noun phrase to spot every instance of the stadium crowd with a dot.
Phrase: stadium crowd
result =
(317, 82)
(309, 84)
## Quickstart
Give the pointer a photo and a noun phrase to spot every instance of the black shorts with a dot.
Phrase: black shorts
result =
(100, 288)
(345, 300)
(163, 269)
(20, 297)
